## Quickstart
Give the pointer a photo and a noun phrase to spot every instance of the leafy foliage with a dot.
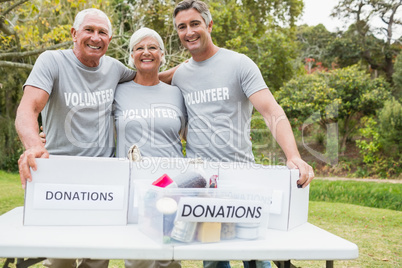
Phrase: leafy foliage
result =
(380, 142)
(343, 51)
(359, 93)
(390, 127)
(357, 45)
(378, 54)
(10, 146)
(397, 77)
(303, 96)
(342, 94)
(314, 42)
(371, 145)
(275, 55)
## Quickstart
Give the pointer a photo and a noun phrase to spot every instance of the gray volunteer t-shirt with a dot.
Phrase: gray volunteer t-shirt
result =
(150, 117)
(77, 118)
(216, 95)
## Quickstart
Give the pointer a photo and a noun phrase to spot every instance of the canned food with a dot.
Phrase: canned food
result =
(247, 231)
(184, 231)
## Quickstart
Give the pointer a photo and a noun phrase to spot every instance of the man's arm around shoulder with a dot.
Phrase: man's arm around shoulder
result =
(167, 76)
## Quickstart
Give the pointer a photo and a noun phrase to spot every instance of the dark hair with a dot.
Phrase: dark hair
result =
(200, 6)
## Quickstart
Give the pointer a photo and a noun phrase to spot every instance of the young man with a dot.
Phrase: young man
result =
(73, 90)
(220, 88)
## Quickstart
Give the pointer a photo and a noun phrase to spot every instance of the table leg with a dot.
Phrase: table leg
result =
(7, 263)
(329, 264)
(252, 264)
(284, 264)
(22, 263)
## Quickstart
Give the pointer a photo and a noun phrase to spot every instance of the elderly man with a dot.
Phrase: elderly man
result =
(73, 90)
(220, 88)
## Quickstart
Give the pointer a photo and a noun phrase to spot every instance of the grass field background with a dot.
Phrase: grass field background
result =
(365, 213)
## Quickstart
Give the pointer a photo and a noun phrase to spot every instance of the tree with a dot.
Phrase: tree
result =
(253, 28)
(341, 96)
(397, 77)
(363, 12)
(360, 96)
(30, 27)
(390, 126)
(380, 143)
(314, 42)
(276, 55)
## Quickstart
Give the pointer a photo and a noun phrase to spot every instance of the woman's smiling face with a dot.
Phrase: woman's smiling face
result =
(147, 55)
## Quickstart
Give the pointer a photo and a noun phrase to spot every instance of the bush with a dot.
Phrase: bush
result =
(380, 145)
(10, 146)
(370, 145)
(397, 76)
(339, 96)
(390, 127)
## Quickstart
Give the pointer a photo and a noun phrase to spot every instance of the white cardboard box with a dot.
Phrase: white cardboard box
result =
(289, 205)
(68, 190)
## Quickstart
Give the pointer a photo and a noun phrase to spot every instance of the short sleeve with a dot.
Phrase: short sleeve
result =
(126, 74)
(44, 72)
(250, 76)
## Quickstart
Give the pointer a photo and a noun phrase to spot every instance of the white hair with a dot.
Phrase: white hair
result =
(138, 36)
(79, 18)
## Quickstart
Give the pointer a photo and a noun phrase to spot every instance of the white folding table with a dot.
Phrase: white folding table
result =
(306, 242)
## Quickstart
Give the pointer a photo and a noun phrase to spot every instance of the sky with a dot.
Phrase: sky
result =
(318, 11)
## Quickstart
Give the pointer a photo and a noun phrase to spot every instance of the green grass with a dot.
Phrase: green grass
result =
(11, 193)
(377, 232)
(368, 194)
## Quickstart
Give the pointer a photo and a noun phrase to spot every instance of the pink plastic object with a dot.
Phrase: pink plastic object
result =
(163, 181)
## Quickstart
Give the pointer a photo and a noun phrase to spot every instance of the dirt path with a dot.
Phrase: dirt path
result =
(357, 179)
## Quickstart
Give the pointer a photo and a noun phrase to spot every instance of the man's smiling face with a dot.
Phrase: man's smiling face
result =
(91, 40)
(194, 34)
